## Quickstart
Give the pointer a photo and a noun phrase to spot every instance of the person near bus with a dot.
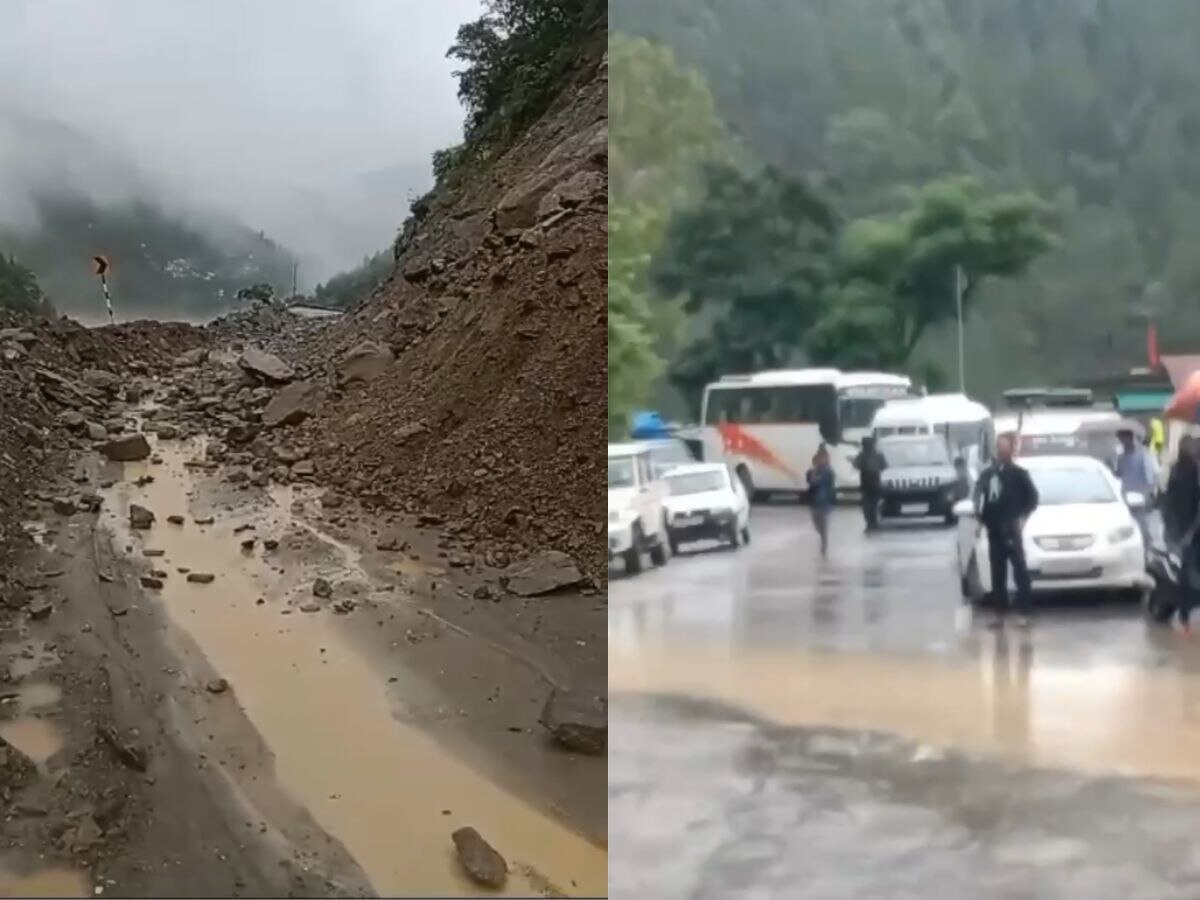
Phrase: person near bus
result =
(870, 465)
(822, 495)
(1006, 497)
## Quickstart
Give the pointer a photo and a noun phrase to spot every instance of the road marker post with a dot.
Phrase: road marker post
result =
(101, 263)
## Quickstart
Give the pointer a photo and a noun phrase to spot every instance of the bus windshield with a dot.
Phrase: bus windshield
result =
(858, 412)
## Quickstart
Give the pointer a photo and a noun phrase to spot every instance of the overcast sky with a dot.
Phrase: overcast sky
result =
(270, 109)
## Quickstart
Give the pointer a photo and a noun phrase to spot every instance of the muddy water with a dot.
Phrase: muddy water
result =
(38, 739)
(46, 883)
(385, 790)
(1102, 718)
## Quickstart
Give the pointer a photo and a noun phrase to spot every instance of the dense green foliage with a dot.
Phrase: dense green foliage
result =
(516, 57)
(349, 288)
(161, 264)
(1091, 105)
(19, 289)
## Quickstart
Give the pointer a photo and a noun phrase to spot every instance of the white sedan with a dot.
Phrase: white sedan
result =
(705, 502)
(1082, 537)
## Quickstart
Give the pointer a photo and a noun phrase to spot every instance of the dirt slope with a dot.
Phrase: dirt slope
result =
(493, 413)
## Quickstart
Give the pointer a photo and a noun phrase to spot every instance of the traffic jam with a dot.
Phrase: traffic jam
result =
(695, 489)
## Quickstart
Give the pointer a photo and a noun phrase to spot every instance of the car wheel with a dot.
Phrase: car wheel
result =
(746, 535)
(660, 552)
(734, 537)
(633, 556)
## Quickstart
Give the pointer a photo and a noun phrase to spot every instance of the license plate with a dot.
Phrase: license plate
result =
(684, 521)
(910, 508)
(1067, 566)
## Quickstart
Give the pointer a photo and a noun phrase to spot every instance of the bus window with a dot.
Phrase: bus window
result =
(782, 405)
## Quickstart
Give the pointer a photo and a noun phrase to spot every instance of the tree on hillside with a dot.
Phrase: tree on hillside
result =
(896, 275)
(19, 289)
(663, 125)
(756, 254)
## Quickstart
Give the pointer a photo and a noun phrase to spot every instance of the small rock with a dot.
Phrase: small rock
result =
(217, 686)
(64, 506)
(310, 607)
(544, 573)
(132, 755)
(365, 362)
(266, 365)
(248, 544)
(140, 517)
(191, 358)
(270, 544)
(200, 577)
(127, 447)
(97, 432)
(149, 581)
(304, 467)
(202, 520)
(175, 520)
(479, 858)
(322, 588)
(291, 405)
(153, 552)
(40, 609)
(577, 721)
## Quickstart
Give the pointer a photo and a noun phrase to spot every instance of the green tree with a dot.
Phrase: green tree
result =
(756, 254)
(897, 275)
(19, 289)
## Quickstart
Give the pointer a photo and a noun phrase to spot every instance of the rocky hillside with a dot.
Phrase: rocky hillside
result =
(472, 383)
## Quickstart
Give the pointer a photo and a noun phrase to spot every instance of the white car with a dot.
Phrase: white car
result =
(637, 516)
(705, 502)
(1082, 536)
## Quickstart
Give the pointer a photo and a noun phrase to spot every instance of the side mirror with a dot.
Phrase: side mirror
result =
(1135, 500)
(964, 509)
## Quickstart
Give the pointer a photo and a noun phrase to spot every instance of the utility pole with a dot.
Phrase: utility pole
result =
(958, 301)
(101, 269)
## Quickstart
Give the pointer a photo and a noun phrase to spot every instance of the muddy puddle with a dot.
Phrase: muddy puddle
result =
(39, 739)
(1106, 718)
(384, 789)
(44, 883)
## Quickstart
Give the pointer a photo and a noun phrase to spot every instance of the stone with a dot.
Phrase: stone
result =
(200, 577)
(203, 520)
(130, 754)
(549, 571)
(266, 365)
(310, 606)
(96, 432)
(191, 358)
(304, 467)
(153, 552)
(149, 581)
(270, 544)
(40, 609)
(322, 588)
(175, 520)
(72, 419)
(140, 517)
(217, 686)
(365, 362)
(479, 858)
(577, 721)
(291, 405)
(101, 380)
(127, 447)
(64, 506)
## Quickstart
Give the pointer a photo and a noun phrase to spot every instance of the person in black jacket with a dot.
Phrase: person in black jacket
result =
(1006, 497)
(1181, 503)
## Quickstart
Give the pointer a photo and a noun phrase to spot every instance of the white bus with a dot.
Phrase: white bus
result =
(767, 426)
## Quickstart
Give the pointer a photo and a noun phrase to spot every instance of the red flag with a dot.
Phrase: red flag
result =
(1152, 345)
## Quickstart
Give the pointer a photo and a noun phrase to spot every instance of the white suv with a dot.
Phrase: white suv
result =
(637, 518)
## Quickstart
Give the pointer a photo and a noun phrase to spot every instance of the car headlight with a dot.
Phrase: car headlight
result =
(1122, 534)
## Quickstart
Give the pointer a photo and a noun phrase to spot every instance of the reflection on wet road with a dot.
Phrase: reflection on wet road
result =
(874, 643)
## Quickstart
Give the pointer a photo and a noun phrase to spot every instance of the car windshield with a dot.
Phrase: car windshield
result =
(900, 454)
(1075, 484)
(620, 472)
(1052, 445)
(696, 482)
(667, 456)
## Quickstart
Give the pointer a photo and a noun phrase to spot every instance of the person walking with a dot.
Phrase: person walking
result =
(1138, 474)
(870, 465)
(1006, 497)
(1181, 522)
(821, 495)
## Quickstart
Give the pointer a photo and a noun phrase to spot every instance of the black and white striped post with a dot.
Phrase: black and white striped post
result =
(102, 270)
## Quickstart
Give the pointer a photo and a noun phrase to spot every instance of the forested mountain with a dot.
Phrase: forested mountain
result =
(1093, 106)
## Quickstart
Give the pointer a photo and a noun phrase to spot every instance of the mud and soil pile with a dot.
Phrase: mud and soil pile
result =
(57, 382)
(472, 384)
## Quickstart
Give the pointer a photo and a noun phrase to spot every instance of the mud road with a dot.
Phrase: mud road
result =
(248, 697)
(785, 726)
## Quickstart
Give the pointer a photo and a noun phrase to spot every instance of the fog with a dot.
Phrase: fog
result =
(311, 121)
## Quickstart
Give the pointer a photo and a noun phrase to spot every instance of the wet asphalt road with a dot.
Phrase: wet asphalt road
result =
(783, 726)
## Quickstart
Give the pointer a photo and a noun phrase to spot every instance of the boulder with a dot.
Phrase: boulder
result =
(266, 365)
(291, 405)
(544, 573)
(64, 506)
(127, 447)
(101, 380)
(191, 358)
(366, 361)
(96, 431)
(479, 858)
(577, 721)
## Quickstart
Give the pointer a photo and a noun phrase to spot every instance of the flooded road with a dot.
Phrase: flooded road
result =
(330, 714)
(866, 667)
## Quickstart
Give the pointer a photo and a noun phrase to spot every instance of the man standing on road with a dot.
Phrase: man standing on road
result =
(1138, 474)
(1006, 498)
(870, 464)
(1181, 522)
